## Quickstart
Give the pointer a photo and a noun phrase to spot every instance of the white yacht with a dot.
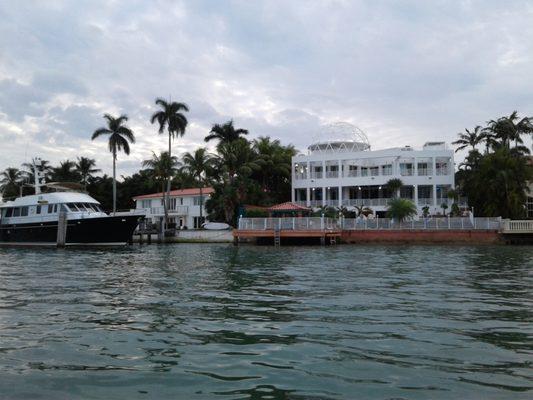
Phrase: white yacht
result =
(34, 219)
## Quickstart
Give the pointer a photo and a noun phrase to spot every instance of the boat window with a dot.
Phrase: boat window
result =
(38, 210)
(9, 212)
(92, 207)
(24, 211)
(82, 207)
(16, 212)
(55, 208)
(72, 207)
(64, 208)
(50, 208)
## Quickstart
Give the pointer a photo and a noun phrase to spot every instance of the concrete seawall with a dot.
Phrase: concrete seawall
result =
(422, 236)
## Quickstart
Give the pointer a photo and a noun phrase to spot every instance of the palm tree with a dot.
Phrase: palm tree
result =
(42, 165)
(225, 133)
(120, 137)
(394, 185)
(11, 182)
(469, 138)
(65, 172)
(400, 209)
(170, 117)
(199, 164)
(161, 168)
(85, 168)
(511, 128)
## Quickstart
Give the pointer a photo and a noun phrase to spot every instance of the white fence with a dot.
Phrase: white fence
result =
(517, 226)
(423, 223)
(294, 224)
(318, 223)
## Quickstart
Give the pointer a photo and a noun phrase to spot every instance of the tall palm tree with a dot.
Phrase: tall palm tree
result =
(10, 182)
(170, 117)
(199, 164)
(510, 129)
(120, 137)
(225, 133)
(161, 168)
(85, 168)
(470, 138)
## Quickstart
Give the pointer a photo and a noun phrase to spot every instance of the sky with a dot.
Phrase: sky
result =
(405, 72)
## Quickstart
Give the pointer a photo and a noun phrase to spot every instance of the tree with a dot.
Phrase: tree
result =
(425, 211)
(394, 185)
(10, 183)
(199, 164)
(470, 138)
(120, 137)
(401, 209)
(85, 167)
(161, 168)
(172, 118)
(65, 172)
(225, 133)
(510, 129)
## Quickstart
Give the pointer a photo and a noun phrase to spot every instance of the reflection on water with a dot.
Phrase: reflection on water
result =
(214, 321)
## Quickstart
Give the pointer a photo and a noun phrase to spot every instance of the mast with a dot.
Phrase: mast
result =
(38, 176)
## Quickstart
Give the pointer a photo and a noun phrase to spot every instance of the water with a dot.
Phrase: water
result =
(218, 322)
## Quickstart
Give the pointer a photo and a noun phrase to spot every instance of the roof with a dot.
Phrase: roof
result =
(288, 206)
(176, 193)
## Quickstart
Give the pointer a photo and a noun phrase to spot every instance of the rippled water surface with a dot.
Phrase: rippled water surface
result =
(218, 322)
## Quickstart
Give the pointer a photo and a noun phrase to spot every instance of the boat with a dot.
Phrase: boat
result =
(35, 219)
(216, 226)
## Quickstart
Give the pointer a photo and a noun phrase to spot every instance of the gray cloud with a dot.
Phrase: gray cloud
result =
(404, 72)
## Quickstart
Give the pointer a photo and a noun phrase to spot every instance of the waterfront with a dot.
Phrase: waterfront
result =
(217, 321)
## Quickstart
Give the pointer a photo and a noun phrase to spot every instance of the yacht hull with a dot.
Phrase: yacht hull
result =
(90, 231)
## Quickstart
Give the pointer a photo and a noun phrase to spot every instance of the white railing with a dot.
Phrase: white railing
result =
(332, 174)
(427, 201)
(366, 202)
(294, 224)
(517, 226)
(456, 223)
(179, 210)
(316, 175)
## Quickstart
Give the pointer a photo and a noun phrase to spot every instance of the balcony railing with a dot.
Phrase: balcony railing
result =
(425, 201)
(365, 202)
(332, 174)
(316, 175)
(178, 210)
(300, 175)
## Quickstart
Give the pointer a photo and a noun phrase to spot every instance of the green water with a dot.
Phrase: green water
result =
(218, 322)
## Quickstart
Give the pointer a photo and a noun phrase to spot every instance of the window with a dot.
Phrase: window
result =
(38, 209)
(50, 208)
(374, 171)
(364, 171)
(386, 169)
(16, 212)
(55, 208)
(406, 169)
(146, 203)
(423, 169)
(72, 207)
(23, 211)
(196, 200)
(442, 167)
(352, 170)
(9, 212)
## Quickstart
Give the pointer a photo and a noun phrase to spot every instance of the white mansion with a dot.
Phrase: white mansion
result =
(184, 208)
(346, 173)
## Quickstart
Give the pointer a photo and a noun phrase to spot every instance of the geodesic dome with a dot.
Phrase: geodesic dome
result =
(340, 137)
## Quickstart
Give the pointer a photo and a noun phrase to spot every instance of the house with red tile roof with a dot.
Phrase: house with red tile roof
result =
(184, 208)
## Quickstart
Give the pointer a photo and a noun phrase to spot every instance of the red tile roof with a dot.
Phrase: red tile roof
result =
(175, 193)
(288, 206)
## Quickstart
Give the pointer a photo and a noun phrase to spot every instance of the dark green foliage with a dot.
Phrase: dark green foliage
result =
(400, 209)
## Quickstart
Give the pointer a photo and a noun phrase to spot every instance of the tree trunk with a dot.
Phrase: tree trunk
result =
(114, 182)
(166, 197)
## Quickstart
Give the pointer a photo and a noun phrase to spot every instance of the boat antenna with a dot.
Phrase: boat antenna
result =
(38, 175)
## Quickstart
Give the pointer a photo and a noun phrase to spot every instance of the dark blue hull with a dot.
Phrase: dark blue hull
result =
(106, 230)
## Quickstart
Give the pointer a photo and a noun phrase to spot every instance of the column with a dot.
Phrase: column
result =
(339, 191)
(415, 167)
(293, 195)
(415, 195)
(307, 197)
(323, 194)
(435, 196)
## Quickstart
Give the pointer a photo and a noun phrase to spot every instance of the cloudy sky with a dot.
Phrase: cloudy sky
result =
(405, 72)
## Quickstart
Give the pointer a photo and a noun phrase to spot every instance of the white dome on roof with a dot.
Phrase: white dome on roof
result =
(340, 137)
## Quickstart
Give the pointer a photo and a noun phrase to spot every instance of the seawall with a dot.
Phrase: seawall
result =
(421, 236)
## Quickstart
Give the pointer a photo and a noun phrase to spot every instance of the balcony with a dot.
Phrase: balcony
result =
(332, 174)
(425, 201)
(178, 210)
(316, 175)
(366, 202)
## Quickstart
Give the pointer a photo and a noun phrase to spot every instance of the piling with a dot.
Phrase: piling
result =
(62, 224)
